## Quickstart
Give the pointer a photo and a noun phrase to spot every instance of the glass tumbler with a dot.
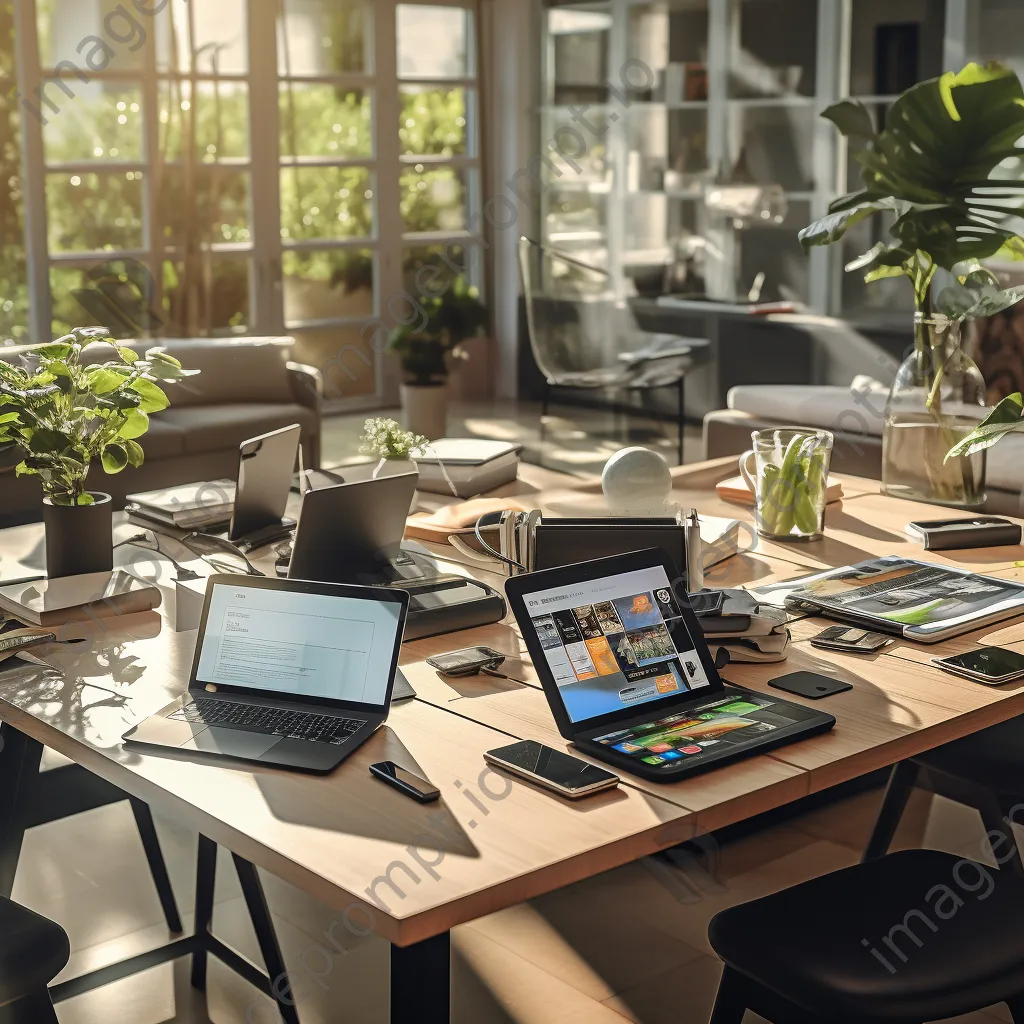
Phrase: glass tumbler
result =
(787, 471)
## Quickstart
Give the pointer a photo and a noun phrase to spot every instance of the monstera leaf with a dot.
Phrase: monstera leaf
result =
(935, 167)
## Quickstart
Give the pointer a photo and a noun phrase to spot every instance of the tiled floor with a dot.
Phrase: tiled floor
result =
(629, 945)
(575, 440)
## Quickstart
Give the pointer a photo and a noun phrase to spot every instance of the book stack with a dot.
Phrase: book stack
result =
(465, 466)
(189, 507)
(78, 598)
(746, 630)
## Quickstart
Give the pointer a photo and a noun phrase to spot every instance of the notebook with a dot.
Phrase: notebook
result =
(70, 598)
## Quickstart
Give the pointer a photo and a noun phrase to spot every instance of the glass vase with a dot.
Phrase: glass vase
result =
(937, 398)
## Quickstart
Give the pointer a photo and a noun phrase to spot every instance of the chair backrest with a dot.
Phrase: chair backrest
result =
(575, 321)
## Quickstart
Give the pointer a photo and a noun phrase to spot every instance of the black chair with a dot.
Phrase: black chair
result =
(916, 936)
(984, 770)
(33, 951)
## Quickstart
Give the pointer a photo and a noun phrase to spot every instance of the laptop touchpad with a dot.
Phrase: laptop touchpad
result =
(230, 743)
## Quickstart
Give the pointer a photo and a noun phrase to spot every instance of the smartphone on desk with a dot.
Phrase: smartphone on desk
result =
(990, 665)
(562, 773)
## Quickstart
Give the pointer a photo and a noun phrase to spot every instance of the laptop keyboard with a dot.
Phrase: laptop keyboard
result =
(296, 725)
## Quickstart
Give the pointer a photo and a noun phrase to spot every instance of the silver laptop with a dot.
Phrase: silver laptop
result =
(286, 673)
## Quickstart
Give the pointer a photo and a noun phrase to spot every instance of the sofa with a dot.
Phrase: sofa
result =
(247, 387)
(856, 415)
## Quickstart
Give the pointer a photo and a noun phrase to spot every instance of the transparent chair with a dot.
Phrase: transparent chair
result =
(585, 338)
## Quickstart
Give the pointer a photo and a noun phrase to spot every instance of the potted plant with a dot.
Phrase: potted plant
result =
(67, 404)
(935, 168)
(426, 354)
(393, 446)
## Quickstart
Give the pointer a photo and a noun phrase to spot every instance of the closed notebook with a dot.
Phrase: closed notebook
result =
(70, 598)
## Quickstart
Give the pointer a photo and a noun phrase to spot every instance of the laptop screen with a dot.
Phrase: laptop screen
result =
(299, 644)
(616, 642)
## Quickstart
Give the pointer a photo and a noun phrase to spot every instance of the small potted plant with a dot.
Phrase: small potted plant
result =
(426, 354)
(67, 404)
(393, 446)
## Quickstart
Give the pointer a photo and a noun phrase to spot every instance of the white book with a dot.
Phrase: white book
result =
(72, 598)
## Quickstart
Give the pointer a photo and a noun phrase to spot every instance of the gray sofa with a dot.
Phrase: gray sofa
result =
(247, 386)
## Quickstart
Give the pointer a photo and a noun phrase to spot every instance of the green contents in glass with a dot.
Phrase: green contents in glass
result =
(789, 479)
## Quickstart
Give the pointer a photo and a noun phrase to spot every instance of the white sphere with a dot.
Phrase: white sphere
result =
(636, 478)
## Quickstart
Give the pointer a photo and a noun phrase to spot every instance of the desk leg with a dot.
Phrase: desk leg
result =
(206, 878)
(19, 765)
(421, 982)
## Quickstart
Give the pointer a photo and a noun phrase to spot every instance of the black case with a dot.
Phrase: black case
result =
(958, 534)
(559, 542)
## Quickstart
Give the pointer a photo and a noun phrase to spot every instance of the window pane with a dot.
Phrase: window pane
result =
(324, 120)
(321, 37)
(92, 212)
(101, 122)
(326, 202)
(434, 42)
(13, 274)
(579, 42)
(117, 294)
(433, 121)
(429, 270)
(672, 40)
(895, 44)
(206, 206)
(770, 62)
(577, 219)
(90, 36)
(220, 287)
(777, 146)
(216, 43)
(670, 147)
(210, 121)
(434, 198)
(328, 285)
(777, 252)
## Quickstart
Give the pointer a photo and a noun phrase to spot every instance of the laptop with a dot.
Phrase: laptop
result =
(256, 503)
(286, 673)
(628, 674)
(354, 532)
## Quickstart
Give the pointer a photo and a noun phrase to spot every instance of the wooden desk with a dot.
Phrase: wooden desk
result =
(411, 873)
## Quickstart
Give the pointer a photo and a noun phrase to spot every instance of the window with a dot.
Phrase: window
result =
(13, 287)
(219, 167)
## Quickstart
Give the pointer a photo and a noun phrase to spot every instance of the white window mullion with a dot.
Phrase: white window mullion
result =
(389, 283)
(33, 175)
(267, 300)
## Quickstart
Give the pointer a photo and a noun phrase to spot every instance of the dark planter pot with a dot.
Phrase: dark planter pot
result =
(79, 538)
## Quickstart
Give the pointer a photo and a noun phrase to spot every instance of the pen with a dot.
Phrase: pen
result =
(694, 554)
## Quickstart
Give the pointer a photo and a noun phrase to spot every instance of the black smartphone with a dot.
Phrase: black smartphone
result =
(553, 769)
(991, 665)
(466, 662)
(405, 781)
(969, 532)
(809, 684)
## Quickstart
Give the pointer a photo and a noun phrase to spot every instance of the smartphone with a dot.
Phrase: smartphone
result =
(991, 665)
(467, 662)
(851, 639)
(969, 532)
(405, 781)
(560, 772)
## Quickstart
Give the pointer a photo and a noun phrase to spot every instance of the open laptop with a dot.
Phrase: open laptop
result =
(354, 532)
(286, 673)
(628, 674)
(256, 503)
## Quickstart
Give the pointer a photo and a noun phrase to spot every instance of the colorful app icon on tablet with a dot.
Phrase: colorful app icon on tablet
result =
(654, 759)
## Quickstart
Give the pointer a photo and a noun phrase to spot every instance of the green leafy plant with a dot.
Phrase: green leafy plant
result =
(935, 166)
(451, 318)
(77, 400)
(1006, 418)
(386, 439)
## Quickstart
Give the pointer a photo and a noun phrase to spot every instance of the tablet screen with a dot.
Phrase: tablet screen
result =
(616, 642)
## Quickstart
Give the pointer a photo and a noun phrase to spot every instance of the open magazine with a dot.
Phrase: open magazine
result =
(916, 600)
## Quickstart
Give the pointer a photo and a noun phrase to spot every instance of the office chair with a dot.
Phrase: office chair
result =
(913, 937)
(584, 338)
(984, 770)
(33, 951)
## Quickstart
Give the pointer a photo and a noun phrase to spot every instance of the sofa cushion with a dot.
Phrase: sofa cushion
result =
(164, 439)
(857, 409)
(233, 370)
(214, 428)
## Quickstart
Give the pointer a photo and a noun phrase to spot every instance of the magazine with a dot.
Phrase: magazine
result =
(917, 600)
